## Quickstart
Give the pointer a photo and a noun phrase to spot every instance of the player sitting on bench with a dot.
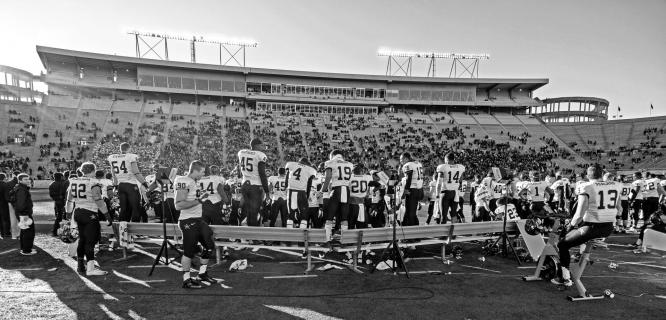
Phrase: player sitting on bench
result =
(597, 207)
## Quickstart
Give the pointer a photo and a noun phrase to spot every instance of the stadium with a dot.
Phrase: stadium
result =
(178, 116)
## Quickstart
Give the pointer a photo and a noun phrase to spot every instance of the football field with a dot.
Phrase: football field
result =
(45, 286)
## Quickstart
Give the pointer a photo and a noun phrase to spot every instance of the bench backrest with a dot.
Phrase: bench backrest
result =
(421, 232)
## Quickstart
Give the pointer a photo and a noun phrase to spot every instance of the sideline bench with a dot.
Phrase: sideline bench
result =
(354, 241)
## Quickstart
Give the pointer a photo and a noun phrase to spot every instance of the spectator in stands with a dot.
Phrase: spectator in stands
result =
(5, 224)
(23, 208)
(58, 193)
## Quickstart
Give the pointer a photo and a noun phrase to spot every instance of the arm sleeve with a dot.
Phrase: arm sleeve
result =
(21, 199)
(262, 176)
(307, 189)
(408, 181)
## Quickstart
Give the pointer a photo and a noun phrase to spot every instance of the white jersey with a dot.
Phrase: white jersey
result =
(536, 190)
(341, 171)
(517, 186)
(121, 166)
(450, 176)
(417, 174)
(651, 186)
(463, 188)
(315, 194)
(564, 184)
(81, 190)
(603, 200)
(358, 185)
(149, 179)
(298, 175)
(249, 165)
(626, 191)
(209, 186)
(235, 186)
(482, 194)
(187, 184)
(279, 186)
(638, 183)
(106, 183)
(510, 209)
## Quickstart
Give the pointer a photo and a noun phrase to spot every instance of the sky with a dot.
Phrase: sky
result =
(610, 49)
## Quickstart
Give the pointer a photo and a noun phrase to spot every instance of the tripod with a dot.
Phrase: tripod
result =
(504, 237)
(392, 250)
(165, 243)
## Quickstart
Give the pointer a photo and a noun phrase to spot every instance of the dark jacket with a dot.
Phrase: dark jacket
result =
(58, 190)
(23, 205)
(4, 192)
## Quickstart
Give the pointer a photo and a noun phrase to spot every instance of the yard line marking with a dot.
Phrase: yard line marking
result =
(134, 280)
(134, 315)
(302, 313)
(8, 251)
(316, 258)
(526, 267)
(262, 255)
(146, 281)
(422, 258)
(299, 262)
(109, 313)
(464, 265)
(173, 265)
(156, 266)
(27, 269)
(224, 286)
(292, 276)
(645, 265)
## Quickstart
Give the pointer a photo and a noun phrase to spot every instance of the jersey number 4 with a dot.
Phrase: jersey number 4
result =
(455, 177)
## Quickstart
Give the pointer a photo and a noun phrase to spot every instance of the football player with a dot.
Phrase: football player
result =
(433, 197)
(652, 192)
(561, 188)
(189, 200)
(537, 192)
(234, 188)
(377, 202)
(315, 214)
(449, 179)
(624, 223)
(413, 193)
(255, 182)
(482, 198)
(299, 184)
(505, 207)
(126, 174)
(336, 184)
(462, 191)
(85, 193)
(359, 187)
(595, 214)
(213, 186)
(278, 188)
(636, 200)
(473, 186)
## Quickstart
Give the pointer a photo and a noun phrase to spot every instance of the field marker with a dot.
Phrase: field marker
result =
(109, 312)
(156, 266)
(262, 255)
(134, 315)
(464, 265)
(645, 265)
(8, 251)
(299, 262)
(292, 276)
(146, 281)
(301, 313)
(27, 269)
(134, 280)
(224, 286)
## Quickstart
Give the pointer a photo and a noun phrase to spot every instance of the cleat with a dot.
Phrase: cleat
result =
(562, 282)
(192, 283)
(205, 278)
(96, 272)
(29, 253)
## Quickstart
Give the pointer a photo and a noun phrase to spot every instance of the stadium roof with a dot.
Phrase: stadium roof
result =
(50, 54)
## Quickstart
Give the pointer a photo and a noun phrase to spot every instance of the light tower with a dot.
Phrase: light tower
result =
(462, 64)
(234, 49)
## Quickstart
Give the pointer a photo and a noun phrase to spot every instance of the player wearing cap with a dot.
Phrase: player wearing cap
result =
(595, 214)
(85, 193)
(125, 170)
(189, 200)
(299, 184)
(255, 191)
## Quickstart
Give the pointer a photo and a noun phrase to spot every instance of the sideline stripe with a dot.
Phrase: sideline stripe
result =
(464, 265)
(292, 276)
(301, 313)
(645, 265)
(131, 279)
(109, 312)
(8, 251)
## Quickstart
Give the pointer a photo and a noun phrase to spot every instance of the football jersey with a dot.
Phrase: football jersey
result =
(249, 165)
(279, 185)
(603, 200)
(149, 179)
(121, 165)
(432, 189)
(626, 191)
(209, 186)
(638, 183)
(463, 188)
(512, 213)
(482, 194)
(235, 186)
(315, 193)
(106, 185)
(517, 186)
(536, 190)
(190, 186)
(358, 185)
(450, 175)
(81, 190)
(497, 190)
(417, 174)
(298, 175)
(341, 171)
(564, 184)
(376, 193)
(651, 186)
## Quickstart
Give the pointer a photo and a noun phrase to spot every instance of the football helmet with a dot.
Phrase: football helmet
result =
(155, 197)
(225, 213)
(533, 226)
(67, 233)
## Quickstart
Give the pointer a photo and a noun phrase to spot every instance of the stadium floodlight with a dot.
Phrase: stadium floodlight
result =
(238, 45)
(402, 60)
